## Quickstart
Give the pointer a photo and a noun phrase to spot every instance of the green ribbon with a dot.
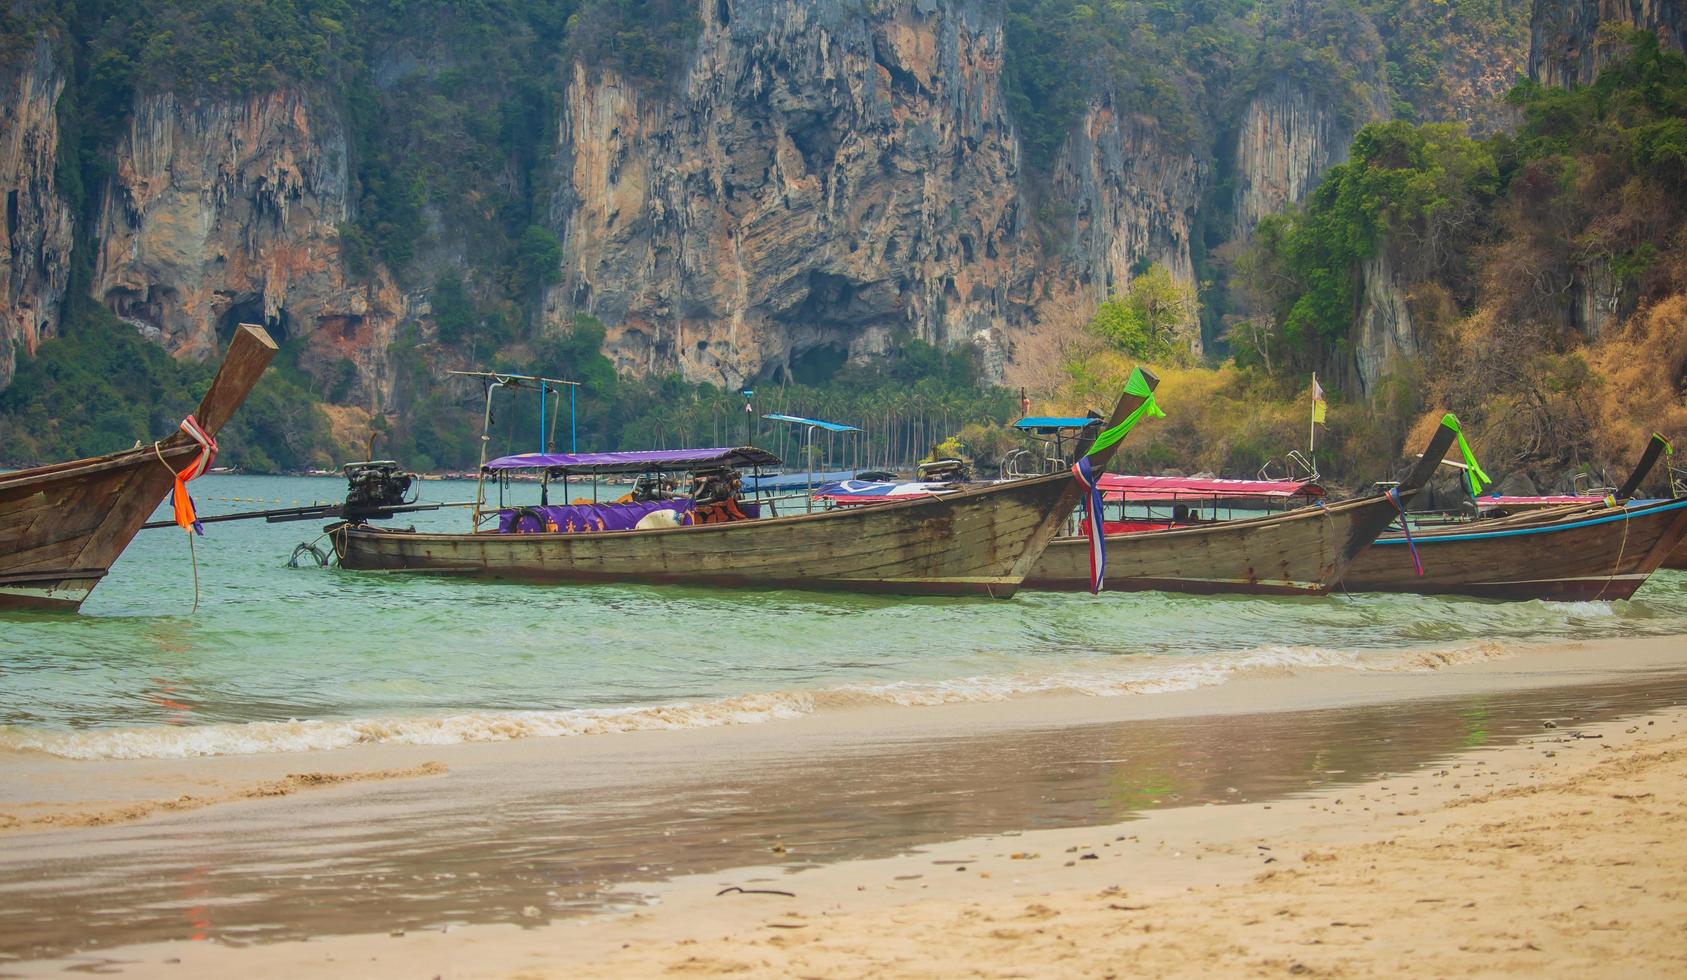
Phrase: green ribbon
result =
(1475, 479)
(1138, 386)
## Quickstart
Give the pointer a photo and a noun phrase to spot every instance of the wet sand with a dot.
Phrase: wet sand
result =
(492, 868)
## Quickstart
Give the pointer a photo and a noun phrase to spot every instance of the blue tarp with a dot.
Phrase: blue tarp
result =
(828, 426)
(1053, 422)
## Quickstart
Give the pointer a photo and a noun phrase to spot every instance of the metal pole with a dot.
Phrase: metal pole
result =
(573, 434)
(485, 440)
(544, 392)
(808, 457)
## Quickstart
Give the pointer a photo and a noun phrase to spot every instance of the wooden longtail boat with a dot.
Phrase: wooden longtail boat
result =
(1304, 551)
(979, 541)
(61, 526)
(1604, 550)
(1599, 553)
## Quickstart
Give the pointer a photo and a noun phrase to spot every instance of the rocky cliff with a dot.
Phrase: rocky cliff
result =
(223, 211)
(35, 241)
(824, 179)
(1565, 43)
(1287, 138)
(1383, 335)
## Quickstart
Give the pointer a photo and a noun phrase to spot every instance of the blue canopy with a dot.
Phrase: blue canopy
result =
(1050, 422)
(828, 426)
(646, 461)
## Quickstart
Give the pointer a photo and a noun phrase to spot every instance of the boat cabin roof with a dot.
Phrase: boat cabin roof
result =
(642, 461)
(1173, 489)
(1547, 500)
(1046, 424)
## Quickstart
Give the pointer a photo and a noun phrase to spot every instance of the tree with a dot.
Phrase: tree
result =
(1151, 319)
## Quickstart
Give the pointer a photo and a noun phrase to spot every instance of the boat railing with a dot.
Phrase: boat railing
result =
(1297, 467)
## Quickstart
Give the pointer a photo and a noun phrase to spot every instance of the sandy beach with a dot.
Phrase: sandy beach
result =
(1515, 814)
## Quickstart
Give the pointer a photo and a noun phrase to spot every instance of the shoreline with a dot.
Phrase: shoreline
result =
(554, 834)
(1522, 855)
(1102, 690)
(42, 790)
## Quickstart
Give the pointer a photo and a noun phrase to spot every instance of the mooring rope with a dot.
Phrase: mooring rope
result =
(1622, 548)
(193, 555)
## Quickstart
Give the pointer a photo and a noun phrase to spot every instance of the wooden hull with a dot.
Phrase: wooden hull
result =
(61, 526)
(1677, 559)
(977, 542)
(1580, 553)
(1301, 552)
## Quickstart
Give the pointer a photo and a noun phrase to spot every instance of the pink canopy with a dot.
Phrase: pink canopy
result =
(1167, 489)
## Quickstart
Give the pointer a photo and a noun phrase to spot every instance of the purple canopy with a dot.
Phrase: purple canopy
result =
(636, 462)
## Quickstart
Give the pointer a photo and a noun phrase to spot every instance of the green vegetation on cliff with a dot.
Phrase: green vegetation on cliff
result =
(100, 387)
(1515, 253)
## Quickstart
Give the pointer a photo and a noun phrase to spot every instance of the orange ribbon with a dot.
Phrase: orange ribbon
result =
(186, 518)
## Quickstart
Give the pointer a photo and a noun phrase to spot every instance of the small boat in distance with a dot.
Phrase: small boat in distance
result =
(1303, 551)
(61, 526)
(979, 541)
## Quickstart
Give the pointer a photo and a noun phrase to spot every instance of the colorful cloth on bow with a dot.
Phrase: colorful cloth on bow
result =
(1137, 385)
(1474, 478)
(1406, 528)
(1098, 533)
(186, 518)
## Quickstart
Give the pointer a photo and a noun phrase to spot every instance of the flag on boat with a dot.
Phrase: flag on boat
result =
(1318, 407)
(1136, 385)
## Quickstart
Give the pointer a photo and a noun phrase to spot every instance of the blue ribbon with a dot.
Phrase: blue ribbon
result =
(1405, 525)
(1098, 533)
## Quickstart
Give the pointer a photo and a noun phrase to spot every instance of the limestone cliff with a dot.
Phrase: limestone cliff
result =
(1287, 138)
(827, 177)
(1565, 45)
(35, 240)
(224, 211)
(1383, 335)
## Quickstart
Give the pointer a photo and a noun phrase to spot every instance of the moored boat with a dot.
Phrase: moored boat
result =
(980, 541)
(1573, 552)
(62, 525)
(1303, 551)
(1580, 548)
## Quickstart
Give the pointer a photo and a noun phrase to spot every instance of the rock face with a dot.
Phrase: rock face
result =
(35, 240)
(1383, 334)
(226, 211)
(1133, 195)
(826, 178)
(1286, 140)
(1564, 43)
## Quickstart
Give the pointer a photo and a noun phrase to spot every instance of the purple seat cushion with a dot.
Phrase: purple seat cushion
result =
(583, 518)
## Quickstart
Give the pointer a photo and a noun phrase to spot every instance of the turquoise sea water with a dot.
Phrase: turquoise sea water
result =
(280, 659)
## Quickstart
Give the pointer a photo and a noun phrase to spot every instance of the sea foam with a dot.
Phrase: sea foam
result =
(1116, 677)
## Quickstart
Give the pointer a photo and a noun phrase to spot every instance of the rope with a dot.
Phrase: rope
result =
(1617, 567)
(193, 556)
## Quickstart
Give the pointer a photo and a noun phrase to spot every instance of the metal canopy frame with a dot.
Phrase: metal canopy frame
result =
(808, 446)
(492, 381)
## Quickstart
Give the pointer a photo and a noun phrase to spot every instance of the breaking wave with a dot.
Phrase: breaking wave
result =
(1123, 677)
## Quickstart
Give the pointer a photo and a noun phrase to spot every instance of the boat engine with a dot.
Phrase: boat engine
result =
(654, 486)
(375, 489)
